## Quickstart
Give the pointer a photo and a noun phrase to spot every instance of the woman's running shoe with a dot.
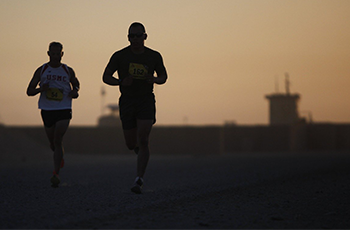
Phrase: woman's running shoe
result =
(55, 180)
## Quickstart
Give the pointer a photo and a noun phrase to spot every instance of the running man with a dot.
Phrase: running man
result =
(136, 65)
(57, 86)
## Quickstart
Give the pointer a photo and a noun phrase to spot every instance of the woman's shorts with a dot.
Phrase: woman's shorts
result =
(50, 117)
(132, 109)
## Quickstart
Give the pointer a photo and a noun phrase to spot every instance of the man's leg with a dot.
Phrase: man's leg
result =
(143, 131)
(130, 136)
(59, 131)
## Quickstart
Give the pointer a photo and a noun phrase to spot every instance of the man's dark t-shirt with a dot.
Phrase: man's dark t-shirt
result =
(137, 65)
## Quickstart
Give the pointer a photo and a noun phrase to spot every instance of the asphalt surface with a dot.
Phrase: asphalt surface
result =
(233, 191)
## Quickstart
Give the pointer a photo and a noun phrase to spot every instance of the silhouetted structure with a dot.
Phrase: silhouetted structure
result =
(284, 107)
(286, 132)
(112, 119)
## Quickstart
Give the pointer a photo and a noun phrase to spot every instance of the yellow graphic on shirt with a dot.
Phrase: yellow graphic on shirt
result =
(54, 94)
(138, 71)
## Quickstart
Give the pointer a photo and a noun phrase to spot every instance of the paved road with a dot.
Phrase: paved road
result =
(250, 190)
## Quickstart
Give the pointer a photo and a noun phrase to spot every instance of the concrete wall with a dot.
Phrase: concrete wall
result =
(343, 137)
(256, 138)
(81, 140)
(188, 139)
(328, 137)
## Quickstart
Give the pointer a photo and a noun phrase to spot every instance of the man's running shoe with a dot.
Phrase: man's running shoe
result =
(138, 184)
(62, 163)
(136, 150)
(55, 180)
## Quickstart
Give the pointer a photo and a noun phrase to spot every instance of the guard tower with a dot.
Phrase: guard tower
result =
(284, 107)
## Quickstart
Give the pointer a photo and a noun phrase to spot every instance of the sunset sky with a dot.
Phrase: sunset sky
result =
(222, 56)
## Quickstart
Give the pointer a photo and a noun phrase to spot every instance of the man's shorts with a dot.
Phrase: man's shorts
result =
(50, 117)
(133, 108)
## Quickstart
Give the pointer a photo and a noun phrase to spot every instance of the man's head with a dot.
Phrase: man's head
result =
(137, 35)
(55, 52)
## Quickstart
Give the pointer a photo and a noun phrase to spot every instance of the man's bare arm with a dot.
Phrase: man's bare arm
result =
(75, 84)
(32, 90)
(108, 77)
(161, 78)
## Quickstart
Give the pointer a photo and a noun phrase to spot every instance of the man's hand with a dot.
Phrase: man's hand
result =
(73, 93)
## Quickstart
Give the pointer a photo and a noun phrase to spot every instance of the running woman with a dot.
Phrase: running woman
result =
(136, 65)
(57, 86)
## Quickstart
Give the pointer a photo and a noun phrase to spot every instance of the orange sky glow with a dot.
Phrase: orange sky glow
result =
(222, 56)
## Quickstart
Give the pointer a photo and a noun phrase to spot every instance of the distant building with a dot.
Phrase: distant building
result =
(283, 108)
(111, 119)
